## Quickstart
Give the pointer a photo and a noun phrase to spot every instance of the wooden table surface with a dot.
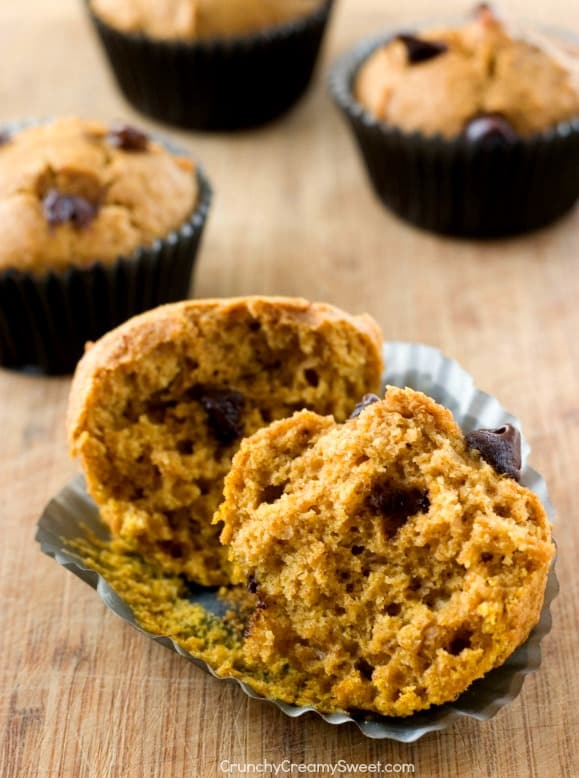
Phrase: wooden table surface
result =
(81, 693)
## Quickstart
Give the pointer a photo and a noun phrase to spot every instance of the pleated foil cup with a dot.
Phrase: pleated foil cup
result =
(45, 321)
(72, 515)
(456, 186)
(216, 84)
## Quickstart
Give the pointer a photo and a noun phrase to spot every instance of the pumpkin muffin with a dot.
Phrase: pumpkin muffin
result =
(159, 406)
(212, 64)
(477, 79)
(393, 560)
(99, 223)
(464, 128)
(76, 192)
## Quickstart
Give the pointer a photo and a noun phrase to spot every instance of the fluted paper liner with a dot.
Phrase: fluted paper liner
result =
(216, 84)
(454, 186)
(45, 321)
(72, 513)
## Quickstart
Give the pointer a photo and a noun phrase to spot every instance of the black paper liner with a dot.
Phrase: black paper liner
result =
(45, 321)
(455, 186)
(72, 515)
(217, 84)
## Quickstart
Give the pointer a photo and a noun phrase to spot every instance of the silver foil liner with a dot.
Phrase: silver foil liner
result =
(72, 515)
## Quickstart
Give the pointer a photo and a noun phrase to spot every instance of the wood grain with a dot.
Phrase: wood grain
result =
(83, 695)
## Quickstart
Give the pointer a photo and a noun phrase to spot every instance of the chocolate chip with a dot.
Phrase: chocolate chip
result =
(252, 584)
(59, 208)
(185, 447)
(364, 668)
(397, 506)
(501, 448)
(311, 376)
(365, 402)
(224, 408)
(5, 137)
(418, 50)
(490, 129)
(128, 138)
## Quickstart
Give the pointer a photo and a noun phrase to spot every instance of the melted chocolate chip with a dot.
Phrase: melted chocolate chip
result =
(5, 137)
(490, 129)
(364, 668)
(501, 448)
(128, 138)
(365, 402)
(59, 208)
(224, 408)
(397, 506)
(252, 584)
(419, 50)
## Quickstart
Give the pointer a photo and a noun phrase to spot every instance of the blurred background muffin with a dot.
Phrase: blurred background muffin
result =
(464, 128)
(212, 64)
(99, 223)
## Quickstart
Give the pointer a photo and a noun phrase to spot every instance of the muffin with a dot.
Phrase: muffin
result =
(159, 406)
(212, 64)
(393, 560)
(464, 129)
(98, 223)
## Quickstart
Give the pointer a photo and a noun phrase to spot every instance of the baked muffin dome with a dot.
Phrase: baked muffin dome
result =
(392, 564)
(439, 80)
(73, 192)
(198, 19)
(159, 406)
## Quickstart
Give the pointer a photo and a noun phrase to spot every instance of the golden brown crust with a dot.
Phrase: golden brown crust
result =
(486, 69)
(141, 334)
(158, 406)
(129, 196)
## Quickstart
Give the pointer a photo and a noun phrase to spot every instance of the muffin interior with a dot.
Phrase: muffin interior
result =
(161, 427)
(391, 564)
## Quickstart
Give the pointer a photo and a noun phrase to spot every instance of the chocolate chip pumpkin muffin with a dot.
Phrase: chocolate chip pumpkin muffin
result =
(99, 222)
(159, 406)
(464, 128)
(212, 64)
(393, 560)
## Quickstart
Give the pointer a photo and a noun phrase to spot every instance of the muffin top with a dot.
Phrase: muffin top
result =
(480, 75)
(189, 19)
(73, 192)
